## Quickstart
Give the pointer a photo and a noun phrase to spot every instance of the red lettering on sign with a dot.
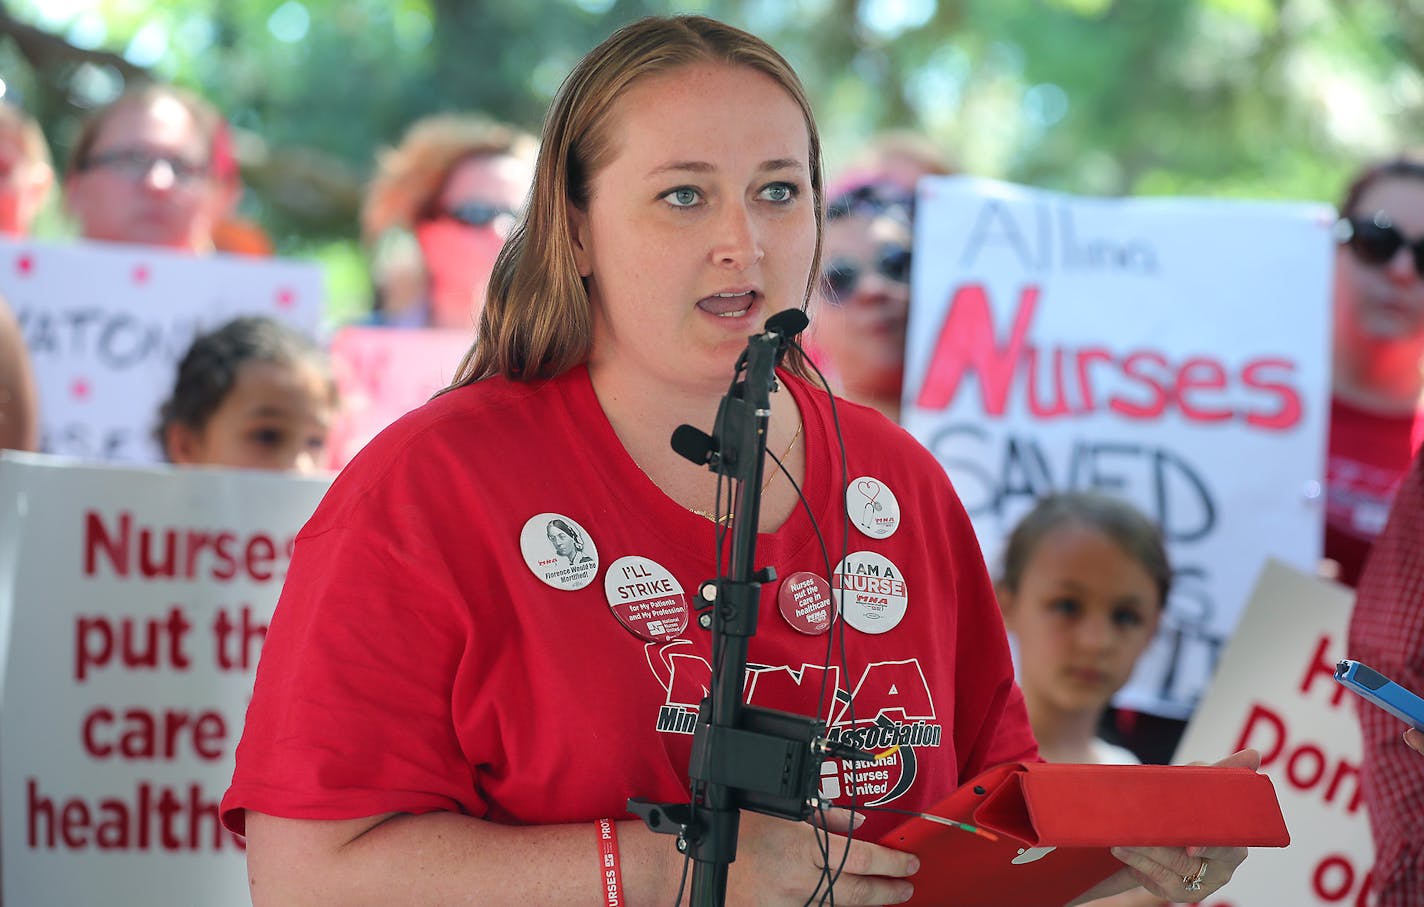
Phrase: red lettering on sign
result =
(1148, 384)
(137, 733)
(1321, 668)
(102, 641)
(1306, 765)
(170, 552)
(156, 817)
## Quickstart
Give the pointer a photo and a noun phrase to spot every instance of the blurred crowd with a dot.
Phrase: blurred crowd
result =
(1085, 576)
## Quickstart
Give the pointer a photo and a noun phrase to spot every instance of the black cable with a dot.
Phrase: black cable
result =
(823, 834)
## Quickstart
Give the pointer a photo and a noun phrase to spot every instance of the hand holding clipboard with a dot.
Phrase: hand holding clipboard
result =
(1051, 828)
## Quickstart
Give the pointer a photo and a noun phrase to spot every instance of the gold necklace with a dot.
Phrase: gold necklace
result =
(726, 518)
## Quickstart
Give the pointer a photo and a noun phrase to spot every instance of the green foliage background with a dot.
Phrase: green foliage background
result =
(1248, 98)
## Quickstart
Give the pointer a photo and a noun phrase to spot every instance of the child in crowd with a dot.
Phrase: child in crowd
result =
(1084, 584)
(253, 394)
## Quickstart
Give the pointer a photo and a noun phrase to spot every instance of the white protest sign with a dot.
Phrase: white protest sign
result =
(383, 373)
(106, 325)
(1274, 691)
(1172, 351)
(136, 606)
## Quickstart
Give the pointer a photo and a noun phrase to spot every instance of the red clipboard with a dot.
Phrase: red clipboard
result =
(1055, 822)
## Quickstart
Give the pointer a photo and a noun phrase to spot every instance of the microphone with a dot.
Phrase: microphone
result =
(692, 443)
(786, 324)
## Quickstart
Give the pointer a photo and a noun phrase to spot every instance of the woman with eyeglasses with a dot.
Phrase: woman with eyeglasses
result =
(1377, 410)
(147, 169)
(863, 302)
(454, 186)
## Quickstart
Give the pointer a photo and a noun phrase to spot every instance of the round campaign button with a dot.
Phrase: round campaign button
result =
(559, 551)
(805, 602)
(870, 592)
(872, 507)
(646, 598)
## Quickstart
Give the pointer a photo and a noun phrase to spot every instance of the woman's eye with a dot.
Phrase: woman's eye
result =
(779, 192)
(681, 197)
(1068, 607)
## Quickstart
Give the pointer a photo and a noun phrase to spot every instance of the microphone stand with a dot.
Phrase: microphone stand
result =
(743, 757)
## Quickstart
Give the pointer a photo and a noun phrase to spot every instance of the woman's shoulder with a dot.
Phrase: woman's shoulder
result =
(465, 431)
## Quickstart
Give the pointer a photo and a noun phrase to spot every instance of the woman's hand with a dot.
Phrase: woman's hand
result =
(1182, 875)
(1414, 739)
(780, 862)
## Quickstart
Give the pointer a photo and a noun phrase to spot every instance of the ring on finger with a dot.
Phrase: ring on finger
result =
(1194, 883)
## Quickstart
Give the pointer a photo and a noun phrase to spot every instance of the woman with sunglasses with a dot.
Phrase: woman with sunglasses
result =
(864, 291)
(1377, 410)
(455, 184)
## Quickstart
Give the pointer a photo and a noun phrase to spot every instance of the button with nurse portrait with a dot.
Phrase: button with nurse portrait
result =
(872, 507)
(870, 592)
(805, 601)
(559, 551)
(646, 598)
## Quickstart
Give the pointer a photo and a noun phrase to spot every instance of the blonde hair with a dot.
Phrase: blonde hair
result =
(410, 176)
(537, 322)
(14, 121)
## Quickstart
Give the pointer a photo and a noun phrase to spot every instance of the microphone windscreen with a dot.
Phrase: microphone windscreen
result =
(788, 323)
(692, 443)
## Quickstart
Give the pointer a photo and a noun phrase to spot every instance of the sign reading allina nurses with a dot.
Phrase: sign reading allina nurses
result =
(1175, 352)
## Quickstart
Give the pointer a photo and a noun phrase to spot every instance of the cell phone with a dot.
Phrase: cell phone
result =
(1382, 691)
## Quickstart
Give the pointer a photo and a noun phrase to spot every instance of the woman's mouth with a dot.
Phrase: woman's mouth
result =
(728, 305)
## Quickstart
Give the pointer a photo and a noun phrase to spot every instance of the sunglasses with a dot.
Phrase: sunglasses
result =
(874, 200)
(477, 214)
(1376, 241)
(841, 277)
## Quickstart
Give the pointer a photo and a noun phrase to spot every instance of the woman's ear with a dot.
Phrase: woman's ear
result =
(580, 238)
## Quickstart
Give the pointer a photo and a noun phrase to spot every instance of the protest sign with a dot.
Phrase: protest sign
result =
(136, 602)
(382, 374)
(1175, 352)
(106, 325)
(1275, 692)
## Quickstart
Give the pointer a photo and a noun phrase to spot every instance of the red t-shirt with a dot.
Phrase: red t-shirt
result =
(415, 661)
(1387, 633)
(1369, 454)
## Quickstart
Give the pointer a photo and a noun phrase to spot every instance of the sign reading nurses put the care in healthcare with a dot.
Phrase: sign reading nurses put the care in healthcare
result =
(1175, 352)
(134, 602)
(106, 325)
